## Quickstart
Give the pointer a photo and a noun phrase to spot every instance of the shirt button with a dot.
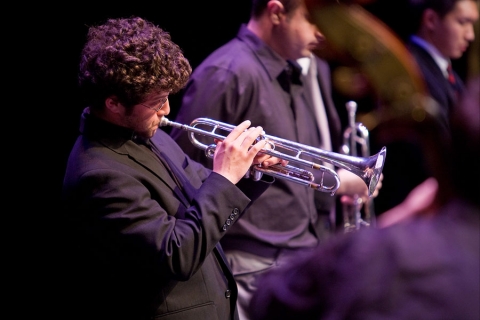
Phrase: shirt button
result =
(228, 293)
(235, 211)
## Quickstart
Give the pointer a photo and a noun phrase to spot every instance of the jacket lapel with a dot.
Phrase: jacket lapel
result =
(151, 162)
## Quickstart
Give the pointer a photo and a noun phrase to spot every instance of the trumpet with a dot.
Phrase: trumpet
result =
(356, 213)
(367, 168)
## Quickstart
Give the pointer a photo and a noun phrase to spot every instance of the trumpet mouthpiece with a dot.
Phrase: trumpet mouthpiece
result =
(164, 122)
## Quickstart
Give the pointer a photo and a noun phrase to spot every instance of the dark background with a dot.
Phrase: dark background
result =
(47, 53)
(197, 27)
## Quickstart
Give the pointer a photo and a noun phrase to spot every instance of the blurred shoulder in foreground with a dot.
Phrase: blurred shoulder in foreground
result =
(426, 267)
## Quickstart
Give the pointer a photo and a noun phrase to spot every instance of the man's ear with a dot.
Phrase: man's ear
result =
(430, 19)
(113, 105)
(275, 9)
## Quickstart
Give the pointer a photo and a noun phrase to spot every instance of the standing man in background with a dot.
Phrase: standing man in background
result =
(443, 31)
(256, 76)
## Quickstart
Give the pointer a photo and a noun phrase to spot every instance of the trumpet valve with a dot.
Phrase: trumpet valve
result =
(253, 173)
(210, 151)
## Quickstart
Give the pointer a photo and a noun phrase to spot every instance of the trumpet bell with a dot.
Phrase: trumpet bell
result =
(373, 170)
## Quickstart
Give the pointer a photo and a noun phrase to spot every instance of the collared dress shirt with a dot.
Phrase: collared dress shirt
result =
(240, 81)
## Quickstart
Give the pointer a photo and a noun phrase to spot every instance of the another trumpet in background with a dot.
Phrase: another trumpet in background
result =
(357, 213)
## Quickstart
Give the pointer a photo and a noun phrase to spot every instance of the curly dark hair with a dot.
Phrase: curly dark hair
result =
(130, 58)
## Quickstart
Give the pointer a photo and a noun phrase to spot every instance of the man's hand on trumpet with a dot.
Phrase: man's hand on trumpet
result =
(240, 150)
(351, 184)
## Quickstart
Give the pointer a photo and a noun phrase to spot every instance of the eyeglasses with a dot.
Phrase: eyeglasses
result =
(162, 103)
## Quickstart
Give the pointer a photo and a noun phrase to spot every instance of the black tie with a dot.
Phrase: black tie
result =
(290, 74)
(180, 180)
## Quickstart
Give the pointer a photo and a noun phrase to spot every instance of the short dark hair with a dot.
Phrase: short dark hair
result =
(129, 58)
(418, 7)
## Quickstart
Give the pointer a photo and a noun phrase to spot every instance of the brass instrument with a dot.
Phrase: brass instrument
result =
(356, 214)
(367, 168)
(358, 38)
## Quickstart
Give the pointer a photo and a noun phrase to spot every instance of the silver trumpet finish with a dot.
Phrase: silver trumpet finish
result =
(367, 168)
(357, 214)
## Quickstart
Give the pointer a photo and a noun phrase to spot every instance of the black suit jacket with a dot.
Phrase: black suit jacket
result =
(438, 86)
(143, 245)
(406, 166)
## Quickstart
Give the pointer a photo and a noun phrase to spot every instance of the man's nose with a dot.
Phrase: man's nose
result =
(470, 34)
(165, 110)
(320, 37)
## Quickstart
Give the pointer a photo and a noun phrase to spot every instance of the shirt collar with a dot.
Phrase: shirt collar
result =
(94, 126)
(436, 55)
(273, 63)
